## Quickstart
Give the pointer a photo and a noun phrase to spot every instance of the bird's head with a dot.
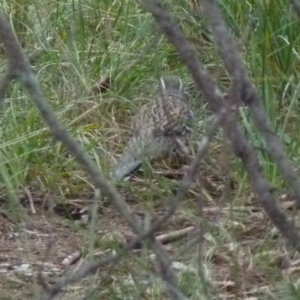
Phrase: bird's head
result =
(172, 86)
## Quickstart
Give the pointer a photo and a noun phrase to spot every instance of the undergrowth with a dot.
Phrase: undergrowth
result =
(90, 42)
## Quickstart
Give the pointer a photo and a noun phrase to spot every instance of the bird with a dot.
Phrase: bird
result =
(159, 128)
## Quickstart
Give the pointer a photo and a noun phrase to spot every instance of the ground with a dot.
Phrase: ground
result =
(98, 63)
(235, 252)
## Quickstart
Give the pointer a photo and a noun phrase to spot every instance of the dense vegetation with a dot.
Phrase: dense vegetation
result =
(118, 43)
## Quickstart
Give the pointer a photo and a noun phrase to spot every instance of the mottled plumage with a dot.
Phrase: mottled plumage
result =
(157, 127)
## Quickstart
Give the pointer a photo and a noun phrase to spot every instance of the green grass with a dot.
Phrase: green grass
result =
(93, 40)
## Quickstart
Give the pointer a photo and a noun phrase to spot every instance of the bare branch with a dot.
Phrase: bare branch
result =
(111, 259)
(296, 6)
(20, 68)
(16, 58)
(246, 152)
(187, 54)
(191, 173)
(238, 71)
(87, 270)
(166, 271)
(4, 84)
(175, 235)
(25, 75)
(193, 170)
(242, 148)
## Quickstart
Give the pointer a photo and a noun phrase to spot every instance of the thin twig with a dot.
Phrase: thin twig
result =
(174, 235)
(20, 67)
(192, 170)
(31, 203)
(242, 148)
(238, 71)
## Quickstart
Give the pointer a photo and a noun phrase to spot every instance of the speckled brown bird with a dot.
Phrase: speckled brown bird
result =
(159, 128)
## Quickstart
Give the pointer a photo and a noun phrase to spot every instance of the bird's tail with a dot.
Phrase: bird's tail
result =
(127, 163)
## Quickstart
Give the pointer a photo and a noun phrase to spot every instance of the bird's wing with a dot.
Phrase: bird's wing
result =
(144, 122)
(164, 117)
(176, 116)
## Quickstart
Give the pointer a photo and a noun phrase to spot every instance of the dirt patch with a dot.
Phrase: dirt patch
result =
(236, 252)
